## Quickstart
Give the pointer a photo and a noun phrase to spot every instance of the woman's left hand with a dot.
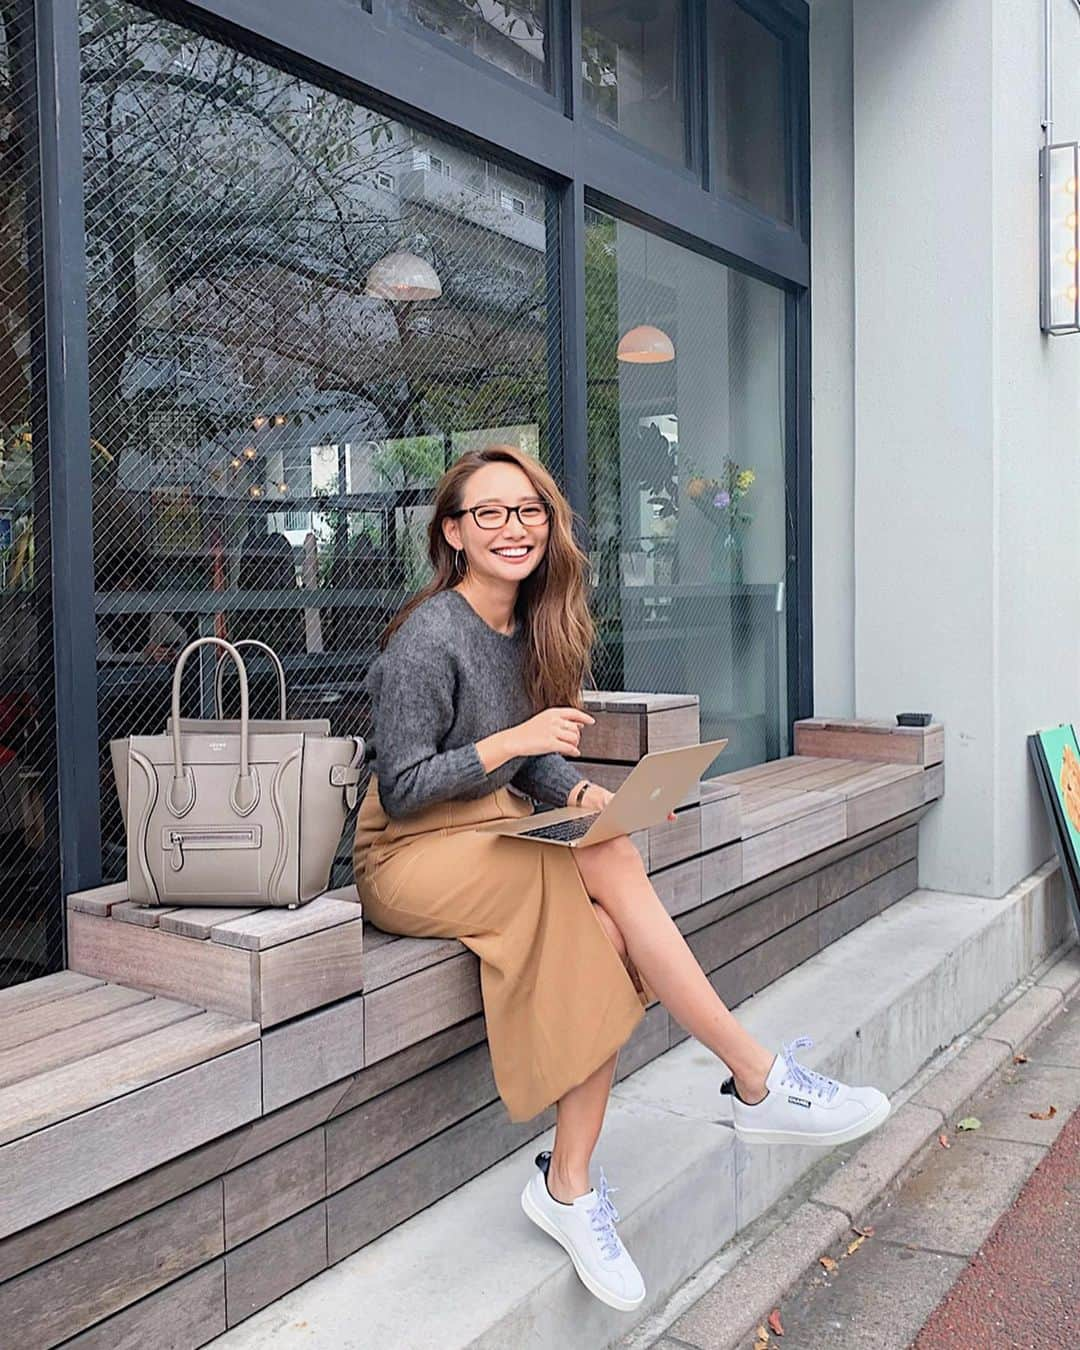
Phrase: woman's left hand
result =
(597, 797)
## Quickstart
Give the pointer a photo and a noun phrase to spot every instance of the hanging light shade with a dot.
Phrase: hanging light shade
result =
(646, 345)
(403, 276)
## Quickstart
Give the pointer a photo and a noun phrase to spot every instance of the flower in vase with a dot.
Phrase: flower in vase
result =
(722, 499)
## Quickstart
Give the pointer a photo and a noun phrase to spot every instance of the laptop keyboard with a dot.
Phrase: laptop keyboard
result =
(562, 829)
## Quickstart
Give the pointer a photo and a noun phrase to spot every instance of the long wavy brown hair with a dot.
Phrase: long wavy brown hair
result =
(551, 603)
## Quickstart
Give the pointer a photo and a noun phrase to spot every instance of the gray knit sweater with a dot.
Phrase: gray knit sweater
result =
(446, 680)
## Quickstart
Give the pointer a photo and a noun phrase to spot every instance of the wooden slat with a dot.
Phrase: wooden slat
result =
(778, 769)
(864, 778)
(48, 1171)
(387, 1126)
(887, 801)
(737, 933)
(100, 900)
(90, 1038)
(389, 957)
(204, 973)
(632, 701)
(189, 1312)
(36, 993)
(648, 1040)
(858, 869)
(721, 871)
(20, 1028)
(721, 817)
(271, 1188)
(763, 814)
(146, 916)
(871, 739)
(197, 922)
(50, 1097)
(768, 851)
(271, 927)
(275, 1262)
(414, 1059)
(57, 1300)
(674, 840)
(764, 964)
(847, 913)
(307, 1113)
(410, 1010)
(311, 1051)
(309, 972)
(679, 887)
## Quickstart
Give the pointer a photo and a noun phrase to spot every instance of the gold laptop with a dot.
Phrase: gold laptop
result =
(653, 787)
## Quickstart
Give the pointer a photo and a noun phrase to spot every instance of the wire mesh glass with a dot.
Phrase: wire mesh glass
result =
(687, 482)
(30, 911)
(267, 432)
(511, 37)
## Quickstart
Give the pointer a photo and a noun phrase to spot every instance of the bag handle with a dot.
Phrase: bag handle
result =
(219, 677)
(245, 792)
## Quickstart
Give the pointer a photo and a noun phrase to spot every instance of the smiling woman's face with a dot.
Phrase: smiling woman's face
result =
(512, 551)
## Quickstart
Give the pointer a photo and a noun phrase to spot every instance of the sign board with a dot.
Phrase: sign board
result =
(1056, 755)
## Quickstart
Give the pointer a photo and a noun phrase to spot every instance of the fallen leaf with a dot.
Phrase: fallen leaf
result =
(762, 1341)
(969, 1123)
(1043, 1115)
(1021, 1058)
(868, 1231)
(828, 1263)
(853, 1247)
(943, 1140)
(775, 1325)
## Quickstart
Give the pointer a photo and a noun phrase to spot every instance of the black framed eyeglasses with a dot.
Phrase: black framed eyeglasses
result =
(493, 515)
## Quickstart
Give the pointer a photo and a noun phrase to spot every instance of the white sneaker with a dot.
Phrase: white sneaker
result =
(805, 1107)
(586, 1229)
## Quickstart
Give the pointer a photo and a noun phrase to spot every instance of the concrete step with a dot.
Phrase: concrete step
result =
(471, 1270)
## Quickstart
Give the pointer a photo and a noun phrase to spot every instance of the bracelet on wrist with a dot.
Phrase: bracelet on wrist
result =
(580, 793)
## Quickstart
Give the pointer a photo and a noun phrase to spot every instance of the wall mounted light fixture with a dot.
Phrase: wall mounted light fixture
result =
(1059, 209)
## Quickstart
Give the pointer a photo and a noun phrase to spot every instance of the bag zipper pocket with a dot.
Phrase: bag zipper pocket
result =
(175, 842)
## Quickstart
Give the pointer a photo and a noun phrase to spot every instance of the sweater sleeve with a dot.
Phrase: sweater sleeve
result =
(547, 778)
(414, 709)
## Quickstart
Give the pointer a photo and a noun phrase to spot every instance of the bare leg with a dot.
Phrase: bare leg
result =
(581, 1114)
(615, 878)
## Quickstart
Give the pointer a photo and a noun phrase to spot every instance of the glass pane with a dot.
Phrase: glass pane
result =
(748, 136)
(300, 310)
(687, 483)
(511, 37)
(30, 905)
(631, 65)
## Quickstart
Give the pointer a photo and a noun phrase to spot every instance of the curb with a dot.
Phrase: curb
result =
(744, 1296)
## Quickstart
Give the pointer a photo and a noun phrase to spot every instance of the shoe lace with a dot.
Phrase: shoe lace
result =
(602, 1218)
(807, 1079)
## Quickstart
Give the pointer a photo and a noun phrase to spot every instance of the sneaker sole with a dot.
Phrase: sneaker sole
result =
(856, 1131)
(594, 1288)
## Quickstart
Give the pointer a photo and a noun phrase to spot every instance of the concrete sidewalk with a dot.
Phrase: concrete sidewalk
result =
(928, 1210)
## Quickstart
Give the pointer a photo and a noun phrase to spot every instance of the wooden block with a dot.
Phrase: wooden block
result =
(388, 1196)
(289, 1122)
(146, 916)
(206, 974)
(650, 1038)
(870, 738)
(71, 1089)
(275, 1262)
(737, 933)
(280, 1183)
(410, 1010)
(309, 972)
(19, 1028)
(934, 782)
(42, 1241)
(181, 1316)
(71, 1044)
(679, 887)
(388, 1126)
(675, 840)
(721, 871)
(413, 1060)
(312, 1051)
(886, 802)
(197, 923)
(66, 1295)
(848, 874)
(271, 927)
(46, 1172)
(20, 998)
(611, 700)
(763, 813)
(721, 816)
(842, 915)
(771, 850)
(100, 900)
(389, 957)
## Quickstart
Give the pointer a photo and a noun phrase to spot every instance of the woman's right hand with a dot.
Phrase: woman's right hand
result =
(554, 729)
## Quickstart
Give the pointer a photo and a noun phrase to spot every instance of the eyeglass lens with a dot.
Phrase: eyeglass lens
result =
(495, 517)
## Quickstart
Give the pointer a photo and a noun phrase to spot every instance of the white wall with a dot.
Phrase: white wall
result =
(961, 572)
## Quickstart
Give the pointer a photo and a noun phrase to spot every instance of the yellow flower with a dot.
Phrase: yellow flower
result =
(745, 479)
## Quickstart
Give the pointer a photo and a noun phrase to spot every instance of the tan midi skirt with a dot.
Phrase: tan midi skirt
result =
(558, 1000)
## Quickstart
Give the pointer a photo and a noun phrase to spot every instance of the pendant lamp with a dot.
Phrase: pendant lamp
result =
(645, 344)
(403, 276)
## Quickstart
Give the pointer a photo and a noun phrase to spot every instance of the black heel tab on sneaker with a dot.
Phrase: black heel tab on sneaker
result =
(543, 1161)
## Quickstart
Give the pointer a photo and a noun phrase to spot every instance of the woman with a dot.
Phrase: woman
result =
(476, 699)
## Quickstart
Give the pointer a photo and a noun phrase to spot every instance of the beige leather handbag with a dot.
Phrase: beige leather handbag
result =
(224, 812)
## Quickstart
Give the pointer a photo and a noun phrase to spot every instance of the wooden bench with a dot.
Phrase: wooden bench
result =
(211, 1106)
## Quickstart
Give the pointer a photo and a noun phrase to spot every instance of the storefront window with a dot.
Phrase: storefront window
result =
(631, 66)
(687, 482)
(274, 409)
(748, 134)
(509, 36)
